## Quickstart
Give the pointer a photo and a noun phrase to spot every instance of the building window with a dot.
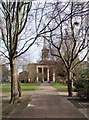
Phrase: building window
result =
(39, 70)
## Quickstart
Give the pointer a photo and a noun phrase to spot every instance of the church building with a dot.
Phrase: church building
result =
(44, 70)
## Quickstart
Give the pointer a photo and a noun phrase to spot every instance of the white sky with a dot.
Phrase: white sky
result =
(34, 53)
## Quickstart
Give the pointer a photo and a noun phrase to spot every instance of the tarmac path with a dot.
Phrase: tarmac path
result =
(47, 103)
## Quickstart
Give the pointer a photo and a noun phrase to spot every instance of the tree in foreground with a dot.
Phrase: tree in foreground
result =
(69, 40)
(13, 19)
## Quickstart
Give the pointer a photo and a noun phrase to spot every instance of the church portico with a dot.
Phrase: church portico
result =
(43, 72)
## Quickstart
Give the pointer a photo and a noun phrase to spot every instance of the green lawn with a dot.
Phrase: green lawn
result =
(24, 86)
(29, 86)
(60, 86)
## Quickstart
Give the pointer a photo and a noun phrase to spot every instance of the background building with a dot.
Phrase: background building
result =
(23, 76)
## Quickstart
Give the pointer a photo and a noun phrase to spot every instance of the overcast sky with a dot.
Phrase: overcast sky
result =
(34, 53)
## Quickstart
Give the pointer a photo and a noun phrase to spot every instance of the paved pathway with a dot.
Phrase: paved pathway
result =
(47, 103)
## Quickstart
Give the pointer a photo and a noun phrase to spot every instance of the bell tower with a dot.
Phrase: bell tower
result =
(45, 51)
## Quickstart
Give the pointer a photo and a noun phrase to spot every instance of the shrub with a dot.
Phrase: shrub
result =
(82, 85)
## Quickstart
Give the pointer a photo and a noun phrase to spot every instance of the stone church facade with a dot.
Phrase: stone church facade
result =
(44, 70)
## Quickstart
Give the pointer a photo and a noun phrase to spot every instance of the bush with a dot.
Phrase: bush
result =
(82, 85)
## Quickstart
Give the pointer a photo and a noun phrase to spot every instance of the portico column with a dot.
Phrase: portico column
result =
(53, 76)
(42, 73)
(37, 74)
(48, 74)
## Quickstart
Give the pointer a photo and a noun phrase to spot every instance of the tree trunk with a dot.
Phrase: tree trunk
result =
(69, 83)
(14, 82)
(19, 88)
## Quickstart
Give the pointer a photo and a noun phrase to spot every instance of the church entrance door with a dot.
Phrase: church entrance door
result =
(45, 74)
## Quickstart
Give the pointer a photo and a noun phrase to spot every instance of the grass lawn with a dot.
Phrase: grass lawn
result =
(29, 86)
(60, 86)
(24, 86)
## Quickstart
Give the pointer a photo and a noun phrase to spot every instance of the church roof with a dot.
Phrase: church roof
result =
(47, 62)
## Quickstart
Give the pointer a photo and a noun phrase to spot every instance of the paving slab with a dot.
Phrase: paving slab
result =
(47, 103)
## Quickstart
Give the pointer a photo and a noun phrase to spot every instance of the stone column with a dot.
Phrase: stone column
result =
(37, 74)
(48, 74)
(42, 73)
(53, 76)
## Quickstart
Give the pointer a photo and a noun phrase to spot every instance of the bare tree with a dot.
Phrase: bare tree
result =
(21, 25)
(13, 18)
(70, 38)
